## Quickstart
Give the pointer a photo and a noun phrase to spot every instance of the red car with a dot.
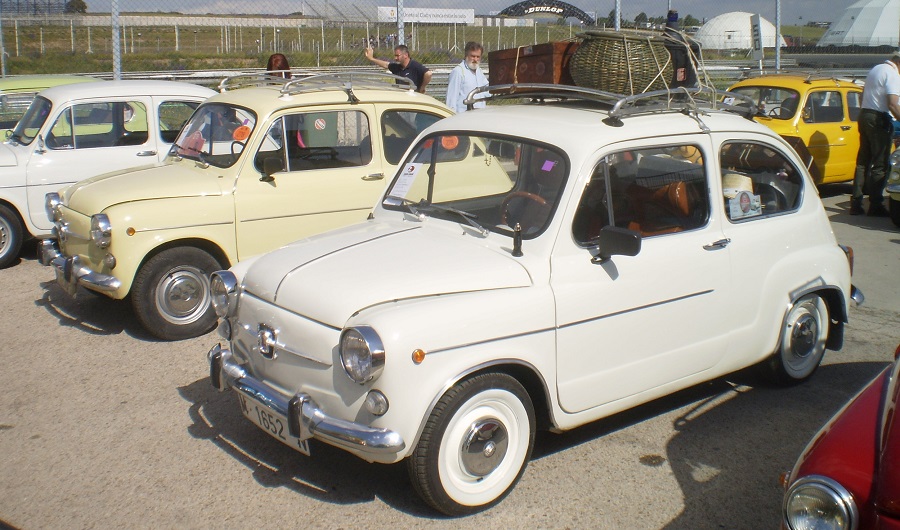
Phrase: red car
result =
(849, 475)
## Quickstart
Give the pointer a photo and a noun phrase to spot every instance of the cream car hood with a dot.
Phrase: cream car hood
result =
(327, 278)
(165, 181)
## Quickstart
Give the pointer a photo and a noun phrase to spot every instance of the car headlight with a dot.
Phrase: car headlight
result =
(51, 205)
(819, 502)
(895, 158)
(101, 231)
(362, 354)
(223, 292)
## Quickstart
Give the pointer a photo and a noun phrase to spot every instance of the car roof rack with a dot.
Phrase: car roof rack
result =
(810, 76)
(687, 100)
(345, 81)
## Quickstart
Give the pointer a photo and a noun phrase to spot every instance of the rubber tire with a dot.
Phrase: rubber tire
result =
(799, 354)
(190, 268)
(894, 207)
(11, 236)
(436, 472)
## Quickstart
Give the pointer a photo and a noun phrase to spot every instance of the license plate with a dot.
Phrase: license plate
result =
(271, 421)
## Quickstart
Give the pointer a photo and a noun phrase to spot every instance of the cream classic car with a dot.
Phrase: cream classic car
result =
(76, 131)
(536, 266)
(257, 166)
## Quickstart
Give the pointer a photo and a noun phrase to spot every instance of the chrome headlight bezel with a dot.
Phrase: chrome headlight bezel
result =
(362, 354)
(223, 293)
(52, 201)
(825, 493)
(101, 230)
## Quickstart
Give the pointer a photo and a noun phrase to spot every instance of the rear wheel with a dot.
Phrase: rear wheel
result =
(894, 205)
(11, 233)
(475, 445)
(170, 294)
(802, 341)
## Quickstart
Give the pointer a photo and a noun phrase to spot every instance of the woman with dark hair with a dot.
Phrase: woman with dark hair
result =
(278, 66)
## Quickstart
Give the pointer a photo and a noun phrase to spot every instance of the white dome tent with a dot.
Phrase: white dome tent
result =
(866, 23)
(732, 31)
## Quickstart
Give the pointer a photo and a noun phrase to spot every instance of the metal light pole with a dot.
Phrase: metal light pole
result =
(777, 35)
(116, 43)
(2, 46)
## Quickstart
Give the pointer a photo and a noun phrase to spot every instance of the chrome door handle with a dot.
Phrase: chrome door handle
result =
(716, 245)
(846, 127)
(146, 153)
(373, 176)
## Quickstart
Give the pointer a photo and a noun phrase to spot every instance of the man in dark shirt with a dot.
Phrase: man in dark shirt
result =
(403, 66)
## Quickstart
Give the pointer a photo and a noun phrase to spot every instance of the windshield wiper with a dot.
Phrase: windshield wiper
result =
(410, 205)
(469, 217)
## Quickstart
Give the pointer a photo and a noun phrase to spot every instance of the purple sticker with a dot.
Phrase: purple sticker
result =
(548, 165)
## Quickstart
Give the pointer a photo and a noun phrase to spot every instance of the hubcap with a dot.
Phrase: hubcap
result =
(484, 447)
(181, 294)
(804, 335)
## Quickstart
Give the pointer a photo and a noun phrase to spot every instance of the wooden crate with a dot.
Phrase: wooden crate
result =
(538, 63)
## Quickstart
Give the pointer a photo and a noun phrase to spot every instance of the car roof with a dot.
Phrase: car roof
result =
(130, 87)
(266, 94)
(33, 83)
(798, 82)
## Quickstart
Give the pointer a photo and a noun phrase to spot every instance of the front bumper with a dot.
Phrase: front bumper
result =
(304, 417)
(70, 272)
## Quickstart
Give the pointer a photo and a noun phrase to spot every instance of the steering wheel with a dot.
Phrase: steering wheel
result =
(777, 112)
(518, 194)
(239, 143)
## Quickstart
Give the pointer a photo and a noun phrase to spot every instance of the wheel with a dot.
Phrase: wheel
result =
(170, 294)
(475, 445)
(894, 206)
(802, 341)
(504, 206)
(11, 233)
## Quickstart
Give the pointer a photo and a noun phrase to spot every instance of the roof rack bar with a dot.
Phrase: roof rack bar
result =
(345, 80)
(540, 91)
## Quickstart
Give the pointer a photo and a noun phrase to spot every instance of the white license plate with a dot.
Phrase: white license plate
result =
(271, 421)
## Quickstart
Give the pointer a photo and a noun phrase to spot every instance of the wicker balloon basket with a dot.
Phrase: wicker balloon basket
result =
(621, 62)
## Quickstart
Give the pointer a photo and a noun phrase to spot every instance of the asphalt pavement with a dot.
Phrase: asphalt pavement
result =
(102, 426)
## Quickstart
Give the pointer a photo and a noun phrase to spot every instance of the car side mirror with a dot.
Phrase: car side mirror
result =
(271, 165)
(615, 241)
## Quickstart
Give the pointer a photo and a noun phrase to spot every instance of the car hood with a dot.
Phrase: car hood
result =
(329, 277)
(7, 156)
(155, 181)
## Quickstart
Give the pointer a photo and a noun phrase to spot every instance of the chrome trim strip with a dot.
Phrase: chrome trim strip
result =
(280, 346)
(142, 230)
(305, 418)
(290, 216)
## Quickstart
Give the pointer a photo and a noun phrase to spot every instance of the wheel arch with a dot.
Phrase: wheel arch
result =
(205, 245)
(837, 313)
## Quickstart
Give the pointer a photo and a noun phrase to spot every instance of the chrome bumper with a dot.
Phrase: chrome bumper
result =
(70, 272)
(304, 417)
(857, 296)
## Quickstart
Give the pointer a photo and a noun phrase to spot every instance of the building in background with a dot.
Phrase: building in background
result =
(866, 23)
(731, 31)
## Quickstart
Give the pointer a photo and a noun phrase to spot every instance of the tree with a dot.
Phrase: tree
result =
(641, 18)
(689, 21)
(76, 6)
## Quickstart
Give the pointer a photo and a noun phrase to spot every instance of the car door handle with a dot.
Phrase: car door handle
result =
(846, 127)
(716, 245)
(373, 176)
(146, 153)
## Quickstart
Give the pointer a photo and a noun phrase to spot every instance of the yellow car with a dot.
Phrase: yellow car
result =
(815, 114)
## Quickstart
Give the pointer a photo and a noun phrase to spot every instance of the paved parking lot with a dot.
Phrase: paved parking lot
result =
(102, 427)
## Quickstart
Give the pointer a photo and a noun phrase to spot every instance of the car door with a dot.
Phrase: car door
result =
(634, 324)
(830, 134)
(315, 170)
(84, 139)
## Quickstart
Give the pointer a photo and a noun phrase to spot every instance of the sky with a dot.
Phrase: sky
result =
(793, 12)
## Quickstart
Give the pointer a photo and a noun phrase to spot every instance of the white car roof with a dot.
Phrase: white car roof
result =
(125, 88)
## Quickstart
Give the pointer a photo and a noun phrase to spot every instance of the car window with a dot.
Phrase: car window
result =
(758, 181)
(854, 103)
(104, 124)
(13, 106)
(172, 117)
(775, 102)
(316, 140)
(215, 134)
(30, 124)
(655, 191)
(399, 128)
(824, 106)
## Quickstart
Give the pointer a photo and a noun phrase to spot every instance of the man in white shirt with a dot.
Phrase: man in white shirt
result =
(880, 100)
(465, 77)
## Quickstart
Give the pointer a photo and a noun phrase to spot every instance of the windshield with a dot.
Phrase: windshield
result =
(495, 183)
(215, 134)
(774, 102)
(30, 124)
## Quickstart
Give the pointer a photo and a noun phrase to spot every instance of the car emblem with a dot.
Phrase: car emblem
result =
(265, 341)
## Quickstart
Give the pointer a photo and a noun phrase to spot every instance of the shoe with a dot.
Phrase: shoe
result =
(878, 210)
(856, 207)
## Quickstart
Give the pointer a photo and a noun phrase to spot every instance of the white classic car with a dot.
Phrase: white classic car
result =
(536, 266)
(76, 131)
(263, 163)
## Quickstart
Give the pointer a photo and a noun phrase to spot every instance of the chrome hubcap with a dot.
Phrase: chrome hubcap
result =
(484, 447)
(181, 296)
(804, 334)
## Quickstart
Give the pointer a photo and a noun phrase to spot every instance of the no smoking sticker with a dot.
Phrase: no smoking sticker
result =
(320, 124)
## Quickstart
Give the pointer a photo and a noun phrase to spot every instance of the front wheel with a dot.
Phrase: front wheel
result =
(475, 445)
(170, 294)
(11, 231)
(802, 341)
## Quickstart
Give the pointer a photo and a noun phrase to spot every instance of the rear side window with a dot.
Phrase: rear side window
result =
(106, 124)
(172, 117)
(758, 181)
(824, 106)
